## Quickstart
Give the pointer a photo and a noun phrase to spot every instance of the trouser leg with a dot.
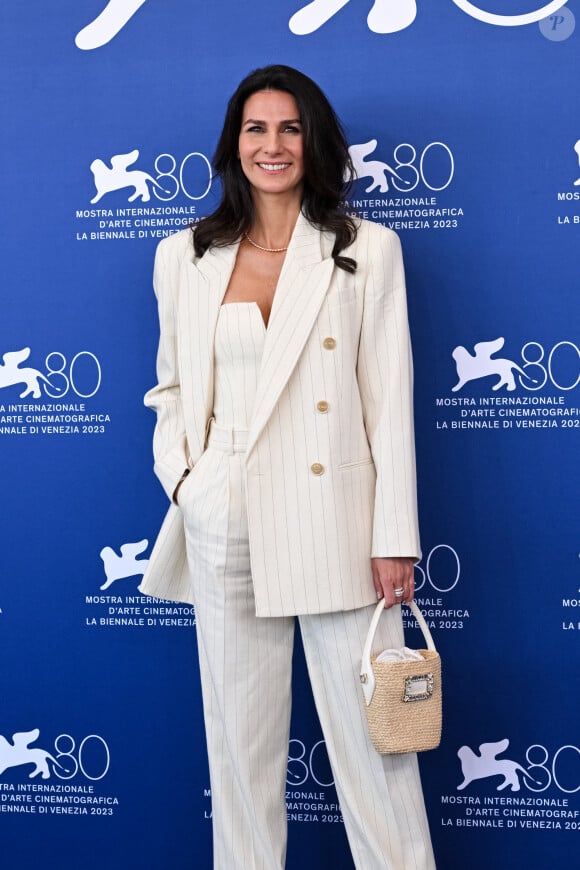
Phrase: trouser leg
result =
(245, 666)
(380, 795)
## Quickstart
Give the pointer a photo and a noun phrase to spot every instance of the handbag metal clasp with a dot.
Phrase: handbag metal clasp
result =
(418, 688)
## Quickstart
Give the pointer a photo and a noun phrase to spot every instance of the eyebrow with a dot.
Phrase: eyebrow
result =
(285, 121)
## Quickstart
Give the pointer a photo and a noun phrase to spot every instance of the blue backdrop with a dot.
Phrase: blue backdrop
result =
(462, 124)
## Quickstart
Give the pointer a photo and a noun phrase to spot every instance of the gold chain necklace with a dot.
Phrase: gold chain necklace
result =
(261, 248)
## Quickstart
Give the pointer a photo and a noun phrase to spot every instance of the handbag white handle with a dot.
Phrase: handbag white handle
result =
(367, 677)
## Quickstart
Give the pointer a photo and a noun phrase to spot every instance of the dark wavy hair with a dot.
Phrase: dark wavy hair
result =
(328, 169)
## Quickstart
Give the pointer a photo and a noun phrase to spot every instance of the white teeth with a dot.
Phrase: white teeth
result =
(273, 167)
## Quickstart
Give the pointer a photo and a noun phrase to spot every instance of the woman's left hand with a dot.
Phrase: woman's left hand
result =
(394, 579)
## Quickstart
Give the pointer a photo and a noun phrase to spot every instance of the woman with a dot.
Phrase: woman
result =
(284, 439)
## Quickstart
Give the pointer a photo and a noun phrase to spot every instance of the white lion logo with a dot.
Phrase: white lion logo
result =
(390, 16)
(18, 753)
(384, 17)
(487, 764)
(376, 170)
(577, 150)
(116, 177)
(105, 26)
(481, 365)
(10, 374)
(126, 565)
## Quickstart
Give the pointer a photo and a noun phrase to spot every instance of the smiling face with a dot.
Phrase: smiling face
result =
(270, 143)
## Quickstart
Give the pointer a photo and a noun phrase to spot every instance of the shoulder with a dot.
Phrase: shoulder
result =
(176, 246)
(369, 231)
(374, 241)
(170, 255)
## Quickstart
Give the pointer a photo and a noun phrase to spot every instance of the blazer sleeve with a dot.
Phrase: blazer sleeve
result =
(170, 447)
(385, 376)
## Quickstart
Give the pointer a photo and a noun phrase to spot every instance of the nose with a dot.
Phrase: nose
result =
(272, 142)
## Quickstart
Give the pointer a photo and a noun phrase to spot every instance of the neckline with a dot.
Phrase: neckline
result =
(252, 303)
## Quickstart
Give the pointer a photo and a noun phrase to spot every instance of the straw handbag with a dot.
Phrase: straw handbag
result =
(402, 699)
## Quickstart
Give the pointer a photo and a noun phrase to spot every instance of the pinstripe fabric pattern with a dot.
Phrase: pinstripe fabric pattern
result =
(247, 762)
(380, 796)
(239, 342)
(246, 661)
(310, 534)
(245, 666)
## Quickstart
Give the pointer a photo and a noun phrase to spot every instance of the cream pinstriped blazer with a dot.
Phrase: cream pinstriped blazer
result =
(330, 462)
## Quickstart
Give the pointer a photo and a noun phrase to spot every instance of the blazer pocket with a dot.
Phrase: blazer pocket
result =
(183, 484)
(184, 488)
(357, 463)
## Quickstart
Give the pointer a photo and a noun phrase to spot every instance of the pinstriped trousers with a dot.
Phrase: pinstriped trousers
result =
(245, 664)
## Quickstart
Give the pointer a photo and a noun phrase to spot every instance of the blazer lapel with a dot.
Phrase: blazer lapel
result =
(203, 286)
(301, 289)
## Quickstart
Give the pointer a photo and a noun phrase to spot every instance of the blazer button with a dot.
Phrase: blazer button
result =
(317, 468)
(322, 407)
(329, 343)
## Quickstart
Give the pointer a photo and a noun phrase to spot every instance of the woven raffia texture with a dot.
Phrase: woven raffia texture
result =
(396, 725)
